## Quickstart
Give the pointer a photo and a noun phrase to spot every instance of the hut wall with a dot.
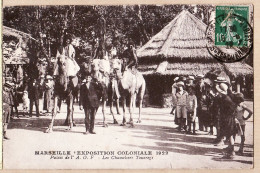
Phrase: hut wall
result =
(159, 89)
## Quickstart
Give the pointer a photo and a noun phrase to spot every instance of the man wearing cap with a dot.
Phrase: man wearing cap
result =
(216, 111)
(7, 106)
(90, 99)
(199, 92)
(190, 81)
(181, 101)
(228, 123)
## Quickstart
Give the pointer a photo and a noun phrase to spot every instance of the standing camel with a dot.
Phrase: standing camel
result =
(63, 89)
(100, 70)
(132, 85)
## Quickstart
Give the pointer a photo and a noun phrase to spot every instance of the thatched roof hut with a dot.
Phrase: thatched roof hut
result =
(183, 44)
(15, 33)
(180, 48)
(14, 44)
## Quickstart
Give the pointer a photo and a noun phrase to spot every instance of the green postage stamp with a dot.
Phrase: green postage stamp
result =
(230, 33)
(231, 26)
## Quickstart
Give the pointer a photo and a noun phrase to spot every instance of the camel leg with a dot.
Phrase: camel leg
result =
(134, 102)
(104, 113)
(54, 113)
(112, 112)
(141, 97)
(124, 108)
(140, 110)
(69, 113)
(117, 106)
(131, 110)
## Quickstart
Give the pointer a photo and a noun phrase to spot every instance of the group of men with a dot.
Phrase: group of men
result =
(214, 104)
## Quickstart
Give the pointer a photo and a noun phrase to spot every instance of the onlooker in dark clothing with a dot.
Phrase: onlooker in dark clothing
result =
(90, 99)
(215, 110)
(48, 94)
(228, 123)
(15, 102)
(33, 94)
(199, 92)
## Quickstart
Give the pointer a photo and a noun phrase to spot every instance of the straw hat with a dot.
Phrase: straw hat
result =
(49, 77)
(200, 76)
(221, 80)
(222, 88)
(182, 78)
(175, 79)
(180, 83)
(190, 78)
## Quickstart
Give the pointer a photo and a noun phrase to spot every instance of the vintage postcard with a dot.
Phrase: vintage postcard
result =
(128, 86)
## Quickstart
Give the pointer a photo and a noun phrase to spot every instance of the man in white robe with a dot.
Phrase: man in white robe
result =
(72, 67)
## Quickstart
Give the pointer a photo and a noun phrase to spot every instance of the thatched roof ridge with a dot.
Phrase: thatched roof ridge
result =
(180, 68)
(13, 32)
(183, 37)
(190, 68)
(147, 69)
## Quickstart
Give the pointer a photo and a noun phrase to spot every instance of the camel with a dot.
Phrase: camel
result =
(64, 89)
(100, 70)
(132, 83)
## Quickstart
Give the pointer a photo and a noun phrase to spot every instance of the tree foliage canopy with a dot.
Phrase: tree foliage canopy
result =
(113, 25)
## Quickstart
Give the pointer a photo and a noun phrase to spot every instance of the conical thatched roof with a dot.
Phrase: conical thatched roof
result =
(182, 45)
(183, 37)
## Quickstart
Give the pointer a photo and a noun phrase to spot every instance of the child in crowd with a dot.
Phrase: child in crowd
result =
(25, 103)
(191, 108)
(240, 111)
(181, 101)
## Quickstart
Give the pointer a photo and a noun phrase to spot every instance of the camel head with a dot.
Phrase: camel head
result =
(116, 64)
(62, 78)
(62, 59)
(95, 65)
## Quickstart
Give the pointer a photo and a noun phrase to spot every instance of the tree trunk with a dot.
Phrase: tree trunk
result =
(141, 25)
(64, 27)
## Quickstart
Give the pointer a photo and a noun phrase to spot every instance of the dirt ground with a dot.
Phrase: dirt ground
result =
(156, 135)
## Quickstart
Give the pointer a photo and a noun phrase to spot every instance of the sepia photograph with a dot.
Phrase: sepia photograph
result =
(128, 86)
